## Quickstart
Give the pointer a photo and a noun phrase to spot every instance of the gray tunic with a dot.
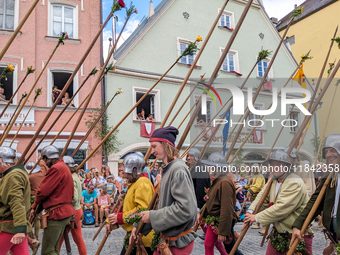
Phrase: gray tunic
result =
(177, 208)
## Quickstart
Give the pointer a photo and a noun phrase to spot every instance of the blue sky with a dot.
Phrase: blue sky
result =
(274, 8)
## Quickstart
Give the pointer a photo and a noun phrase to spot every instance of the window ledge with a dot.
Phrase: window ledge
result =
(188, 65)
(138, 121)
(225, 28)
(228, 72)
(260, 78)
(54, 38)
(8, 32)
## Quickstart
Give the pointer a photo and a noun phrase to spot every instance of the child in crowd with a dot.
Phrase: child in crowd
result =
(103, 203)
(111, 188)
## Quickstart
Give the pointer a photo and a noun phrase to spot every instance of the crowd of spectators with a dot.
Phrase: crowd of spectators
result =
(101, 189)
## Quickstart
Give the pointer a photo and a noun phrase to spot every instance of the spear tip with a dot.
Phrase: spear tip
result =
(336, 30)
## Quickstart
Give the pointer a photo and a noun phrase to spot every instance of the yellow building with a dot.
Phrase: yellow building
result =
(314, 31)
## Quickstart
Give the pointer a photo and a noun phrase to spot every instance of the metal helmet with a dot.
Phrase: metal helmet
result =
(7, 154)
(279, 155)
(18, 156)
(215, 159)
(293, 154)
(30, 165)
(69, 161)
(195, 152)
(139, 153)
(50, 151)
(332, 141)
(133, 161)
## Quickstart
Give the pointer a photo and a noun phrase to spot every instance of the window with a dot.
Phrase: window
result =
(7, 14)
(189, 60)
(253, 118)
(205, 119)
(295, 121)
(262, 68)
(7, 84)
(63, 20)
(230, 62)
(225, 20)
(57, 80)
(149, 105)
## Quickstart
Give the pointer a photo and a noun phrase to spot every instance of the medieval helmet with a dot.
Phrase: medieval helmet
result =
(332, 141)
(69, 161)
(133, 161)
(215, 159)
(195, 152)
(293, 154)
(50, 151)
(30, 165)
(279, 155)
(7, 154)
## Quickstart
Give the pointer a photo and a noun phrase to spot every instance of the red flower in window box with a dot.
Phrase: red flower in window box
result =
(231, 29)
(270, 204)
(121, 3)
(238, 74)
(191, 65)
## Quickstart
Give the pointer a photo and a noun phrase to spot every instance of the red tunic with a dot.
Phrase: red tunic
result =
(57, 189)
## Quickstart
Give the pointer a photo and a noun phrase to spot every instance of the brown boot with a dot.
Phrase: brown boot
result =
(34, 246)
(320, 225)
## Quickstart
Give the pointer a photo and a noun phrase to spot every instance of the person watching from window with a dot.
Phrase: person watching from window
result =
(66, 99)
(150, 118)
(55, 94)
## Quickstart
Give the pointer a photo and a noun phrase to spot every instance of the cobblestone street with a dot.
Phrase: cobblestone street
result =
(249, 246)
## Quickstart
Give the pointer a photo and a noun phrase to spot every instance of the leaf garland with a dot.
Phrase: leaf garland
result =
(135, 217)
(281, 243)
(213, 222)
(155, 241)
(297, 12)
(263, 54)
(337, 40)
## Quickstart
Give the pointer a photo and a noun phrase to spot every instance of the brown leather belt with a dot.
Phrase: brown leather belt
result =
(174, 238)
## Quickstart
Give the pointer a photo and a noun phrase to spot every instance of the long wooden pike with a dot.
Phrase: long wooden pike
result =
(17, 30)
(310, 214)
(278, 135)
(10, 125)
(257, 91)
(22, 123)
(29, 146)
(318, 84)
(93, 125)
(143, 97)
(140, 226)
(181, 107)
(291, 146)
(61, 130)
(15, 92)
(180, 90)
(207, 144)
(270, 182)
(104, 223)
(94, 88)
(12, 117)
(60, 114)
(313, 109)
(120, 209)
(216, 71)
(326, 123)
(249, 134)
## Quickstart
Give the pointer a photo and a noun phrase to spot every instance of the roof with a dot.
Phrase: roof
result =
(309, 7)
(140, 29)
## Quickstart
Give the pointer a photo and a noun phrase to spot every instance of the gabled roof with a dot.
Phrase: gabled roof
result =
(309, 7)
(140, 29)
